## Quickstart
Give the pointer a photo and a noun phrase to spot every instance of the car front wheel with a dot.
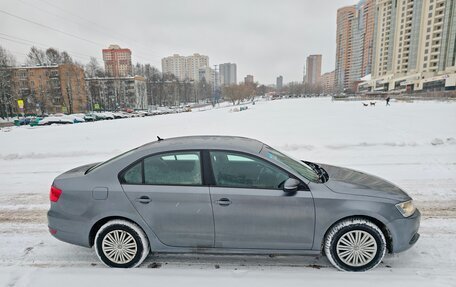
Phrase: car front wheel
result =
(355, 244)
(121, 244)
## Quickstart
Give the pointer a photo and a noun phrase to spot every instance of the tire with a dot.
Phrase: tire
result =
(130, 252)
(344, 250)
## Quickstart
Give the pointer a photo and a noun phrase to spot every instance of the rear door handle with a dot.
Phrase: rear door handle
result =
(144, 199)
(224, 202)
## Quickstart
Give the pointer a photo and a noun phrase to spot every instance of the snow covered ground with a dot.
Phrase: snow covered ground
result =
(411, 144)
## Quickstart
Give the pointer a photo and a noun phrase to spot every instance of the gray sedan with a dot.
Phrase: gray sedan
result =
(232, 195)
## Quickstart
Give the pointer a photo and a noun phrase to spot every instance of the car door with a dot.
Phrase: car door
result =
(167, 191)
(250, 208)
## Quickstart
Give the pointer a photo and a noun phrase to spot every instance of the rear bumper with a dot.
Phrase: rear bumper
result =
(404, 232)
(67, 229)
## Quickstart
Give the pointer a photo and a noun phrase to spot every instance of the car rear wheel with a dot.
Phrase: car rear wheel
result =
(121, 244)
(355, 245)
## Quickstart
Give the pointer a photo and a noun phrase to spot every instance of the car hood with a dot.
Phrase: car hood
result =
(348, 181)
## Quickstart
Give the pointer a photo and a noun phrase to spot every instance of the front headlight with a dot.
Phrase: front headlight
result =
(407, 208)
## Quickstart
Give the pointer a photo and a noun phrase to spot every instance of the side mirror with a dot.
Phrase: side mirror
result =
(291, 185)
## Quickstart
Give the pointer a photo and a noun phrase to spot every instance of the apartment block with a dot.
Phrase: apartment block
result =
(279, 82)
(354, 43)
(328, 82)
(209, 75)
(117, 61)
(49, 89)
(117, 93)
(228, 74)
(414, 46)
(313, 70)
(185, 67)
(249, 79)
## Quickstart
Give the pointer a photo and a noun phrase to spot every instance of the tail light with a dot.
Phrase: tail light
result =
(55, 194)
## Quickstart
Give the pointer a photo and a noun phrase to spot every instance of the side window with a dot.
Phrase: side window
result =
(176, 168)
(134, 174)
(239, 170)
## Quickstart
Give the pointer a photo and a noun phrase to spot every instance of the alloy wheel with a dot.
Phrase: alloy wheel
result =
(119, 246)
(356, 248)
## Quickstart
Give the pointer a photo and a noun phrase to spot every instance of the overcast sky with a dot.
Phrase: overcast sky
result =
(264, 38)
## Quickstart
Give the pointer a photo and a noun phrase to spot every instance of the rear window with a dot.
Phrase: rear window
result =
(127, 153)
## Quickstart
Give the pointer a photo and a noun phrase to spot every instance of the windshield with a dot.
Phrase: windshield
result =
(298, 166)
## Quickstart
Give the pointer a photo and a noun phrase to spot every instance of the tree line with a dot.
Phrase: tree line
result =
(163, 89)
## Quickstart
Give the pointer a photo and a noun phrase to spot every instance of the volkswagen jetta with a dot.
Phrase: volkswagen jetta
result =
(219, 194)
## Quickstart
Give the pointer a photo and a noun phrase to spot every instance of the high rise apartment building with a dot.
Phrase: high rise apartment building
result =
(414, 46)
(279, 82)
(185, 67)
(327, 82)
(228, 74)
(313, 69)
(117, 61)
(354, 43)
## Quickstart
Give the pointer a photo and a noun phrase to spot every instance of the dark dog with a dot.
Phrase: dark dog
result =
(372, 103)
(364, 104)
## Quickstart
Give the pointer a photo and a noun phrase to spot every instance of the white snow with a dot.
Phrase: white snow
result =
(410, 144)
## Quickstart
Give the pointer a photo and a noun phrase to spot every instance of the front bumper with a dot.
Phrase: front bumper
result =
(404, 232)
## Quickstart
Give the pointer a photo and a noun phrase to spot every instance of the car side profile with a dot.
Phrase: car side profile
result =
(231, 195)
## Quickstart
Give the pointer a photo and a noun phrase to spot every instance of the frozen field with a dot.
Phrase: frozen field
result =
(411, 144)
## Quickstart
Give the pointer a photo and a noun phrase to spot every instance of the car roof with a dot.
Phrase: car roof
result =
(206, 142)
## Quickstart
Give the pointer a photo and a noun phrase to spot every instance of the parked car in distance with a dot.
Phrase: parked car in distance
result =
(90, 117)
(76, 118)
(230, 195)
(55, 120)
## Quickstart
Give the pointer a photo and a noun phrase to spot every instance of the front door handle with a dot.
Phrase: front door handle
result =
(144, 199)
(224, 202)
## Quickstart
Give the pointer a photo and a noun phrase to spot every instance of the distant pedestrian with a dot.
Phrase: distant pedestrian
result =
(388, 101)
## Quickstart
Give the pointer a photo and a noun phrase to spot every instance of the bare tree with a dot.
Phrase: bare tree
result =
(234, 93)
(6, 91)
(36, 56)
(93, 69)
(53, 56)
(66, 58)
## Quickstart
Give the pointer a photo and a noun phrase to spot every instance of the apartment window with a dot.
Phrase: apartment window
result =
(430, 7)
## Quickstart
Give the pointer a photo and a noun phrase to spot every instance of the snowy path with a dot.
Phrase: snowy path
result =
(393, 142)
(29, 257)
